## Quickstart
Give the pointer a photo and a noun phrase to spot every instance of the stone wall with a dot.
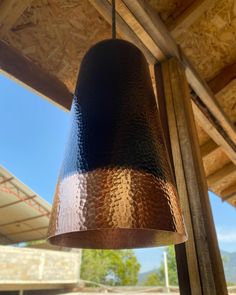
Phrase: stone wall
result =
(35, 266)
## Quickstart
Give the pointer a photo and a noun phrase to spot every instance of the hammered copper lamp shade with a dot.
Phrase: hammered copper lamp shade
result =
(115, 188)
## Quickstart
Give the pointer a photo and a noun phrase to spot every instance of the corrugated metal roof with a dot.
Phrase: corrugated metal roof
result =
(24, 216)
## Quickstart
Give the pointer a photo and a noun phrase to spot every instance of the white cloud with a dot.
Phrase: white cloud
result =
(226, 235)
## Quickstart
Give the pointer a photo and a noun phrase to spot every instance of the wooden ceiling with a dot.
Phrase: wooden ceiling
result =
(43, 42)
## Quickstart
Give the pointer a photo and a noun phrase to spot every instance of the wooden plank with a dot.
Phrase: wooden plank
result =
(207, 98)
(189, 16)
(149, 23)
(152, 24)
(24, 70)
(230, 198)
(209, 147)
(104, 8)
(208, 255)
(219, 176)
(10, 11)
(221, 80)
(142, 34)
(185, 142)
(187, 279)
(214, 132)
(229, 191)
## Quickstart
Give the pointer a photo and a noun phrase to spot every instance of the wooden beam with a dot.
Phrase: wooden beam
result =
(209, 147)
(215, 132)
(228, 192)
(191, 185)
(24, 70)
(210, 115)
(230, 198)
(104, 8)
(143, 35)
(10, 11)
(151, 23)
(190, 15)
(221, 80)
(186, 255)
(219, 176)
(144, 21)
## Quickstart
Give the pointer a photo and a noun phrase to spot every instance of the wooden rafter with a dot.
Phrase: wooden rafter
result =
(214, 129)
(219, 176)
(210, 115)
(209, 147)
(229, 193)
(192, 13)
(10, 11)
(143, 20)
(24, 70)
(221, 80)
(216, 84)
(230, 198)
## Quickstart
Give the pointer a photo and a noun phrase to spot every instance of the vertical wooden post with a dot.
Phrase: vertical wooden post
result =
(200, 268)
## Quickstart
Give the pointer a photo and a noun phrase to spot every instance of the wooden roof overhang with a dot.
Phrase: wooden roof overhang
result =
(43, 41)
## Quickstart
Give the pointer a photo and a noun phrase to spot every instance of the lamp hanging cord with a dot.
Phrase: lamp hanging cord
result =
(113, 4)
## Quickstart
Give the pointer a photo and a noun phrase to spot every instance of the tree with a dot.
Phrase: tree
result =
(158, 278)
(152, 280)
(110, 267)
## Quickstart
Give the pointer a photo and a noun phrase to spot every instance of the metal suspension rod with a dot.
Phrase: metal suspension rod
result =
(113, 4)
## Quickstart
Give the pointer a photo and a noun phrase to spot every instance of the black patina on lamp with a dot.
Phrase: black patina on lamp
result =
(115, 188)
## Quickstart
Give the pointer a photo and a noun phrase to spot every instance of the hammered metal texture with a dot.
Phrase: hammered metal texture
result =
(115, 188)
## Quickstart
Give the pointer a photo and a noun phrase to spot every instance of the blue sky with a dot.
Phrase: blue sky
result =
(33, 137)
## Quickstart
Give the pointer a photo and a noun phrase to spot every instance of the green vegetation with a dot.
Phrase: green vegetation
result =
(110, 267)
(229, 261)
(121, 268)
(157, 278)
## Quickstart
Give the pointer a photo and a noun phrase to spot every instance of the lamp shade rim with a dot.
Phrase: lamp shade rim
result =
(117, 238)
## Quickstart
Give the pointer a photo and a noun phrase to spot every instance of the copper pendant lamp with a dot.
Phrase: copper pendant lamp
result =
(115, 188)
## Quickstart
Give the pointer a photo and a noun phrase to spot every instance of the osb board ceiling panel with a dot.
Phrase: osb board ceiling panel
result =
(210, 42)
(55, 34)
(169, 9)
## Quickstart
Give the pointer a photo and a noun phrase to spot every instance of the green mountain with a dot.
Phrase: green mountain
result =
(229, 261)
